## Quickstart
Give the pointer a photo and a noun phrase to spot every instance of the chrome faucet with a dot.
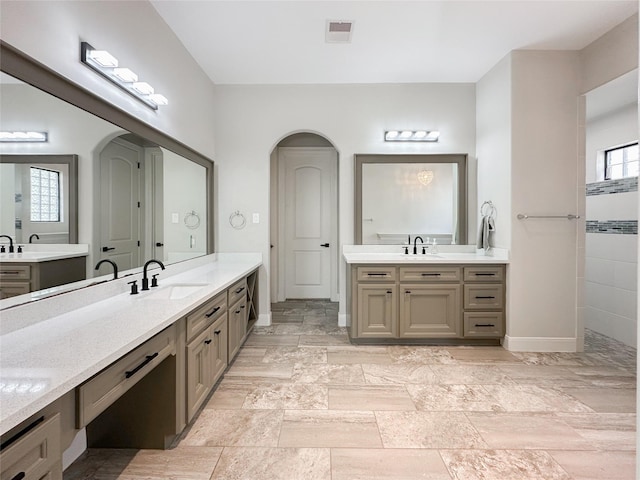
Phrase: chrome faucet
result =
(33, 235)
(145, 280)
(10, 242)
(415, 248)
(113, 264)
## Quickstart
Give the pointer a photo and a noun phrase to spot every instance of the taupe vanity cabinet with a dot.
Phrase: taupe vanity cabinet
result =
(434, 301)
(17, 278)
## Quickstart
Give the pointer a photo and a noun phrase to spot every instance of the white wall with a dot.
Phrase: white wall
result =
(611, 282)
(133, 32)
(493, 132)
(71, 131)
(184, 191)
(399, 205)
(251, 120)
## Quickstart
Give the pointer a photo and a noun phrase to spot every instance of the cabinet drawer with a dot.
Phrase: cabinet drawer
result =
(430, 273)
(237, 291)
(484, 324)
(95, 395)
(35, 454)
(15, 272)
(200, 318)
(374, 273)
(11, 289)
(483, 273)
(484, 296)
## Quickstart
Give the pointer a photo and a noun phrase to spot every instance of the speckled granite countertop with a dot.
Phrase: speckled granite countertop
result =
(49, 347)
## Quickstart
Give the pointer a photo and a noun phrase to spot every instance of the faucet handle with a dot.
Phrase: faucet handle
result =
(406, 250)
(19, 248)
(134, 287)
(154, 280)
(3, 249)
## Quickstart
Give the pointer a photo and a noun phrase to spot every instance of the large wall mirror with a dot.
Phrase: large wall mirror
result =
(398, 196)
(121, 181)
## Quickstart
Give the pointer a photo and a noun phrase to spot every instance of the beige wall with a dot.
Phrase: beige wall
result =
(610, 56)
(542, 278)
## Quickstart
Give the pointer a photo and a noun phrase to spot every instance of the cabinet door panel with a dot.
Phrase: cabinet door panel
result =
(198, 371)
(219, 351)
(430, 311)
(377, 310)
(237, 327)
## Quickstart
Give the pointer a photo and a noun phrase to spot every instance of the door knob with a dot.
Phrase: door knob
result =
(159, 244)
(106, 249)
(325, 245)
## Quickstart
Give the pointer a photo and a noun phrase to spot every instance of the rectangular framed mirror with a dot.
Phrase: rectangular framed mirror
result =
(397, 196)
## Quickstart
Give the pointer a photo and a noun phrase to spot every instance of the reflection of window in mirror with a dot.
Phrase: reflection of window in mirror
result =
(45, 195)
(621, 162)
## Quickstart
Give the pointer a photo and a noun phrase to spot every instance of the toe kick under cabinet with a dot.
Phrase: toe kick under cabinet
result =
(427, 302)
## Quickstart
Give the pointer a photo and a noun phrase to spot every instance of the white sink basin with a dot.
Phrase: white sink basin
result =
(173, 292)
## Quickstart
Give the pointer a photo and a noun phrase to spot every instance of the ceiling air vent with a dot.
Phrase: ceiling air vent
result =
(339, 31)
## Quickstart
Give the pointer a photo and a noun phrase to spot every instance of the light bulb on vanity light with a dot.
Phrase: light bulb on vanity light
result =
(158, 99)
(125, 74)
(103, 58)
(143, 88)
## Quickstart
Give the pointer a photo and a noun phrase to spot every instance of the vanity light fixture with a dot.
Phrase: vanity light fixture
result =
(24, 137)
(107, 65)
(411, 136)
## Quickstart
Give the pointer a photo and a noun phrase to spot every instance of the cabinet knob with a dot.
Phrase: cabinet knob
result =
(208, 341)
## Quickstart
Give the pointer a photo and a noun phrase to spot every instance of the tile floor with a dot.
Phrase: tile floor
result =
(300, 402)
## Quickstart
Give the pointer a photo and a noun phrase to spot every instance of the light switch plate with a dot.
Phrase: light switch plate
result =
(256, 218)
(175, 218)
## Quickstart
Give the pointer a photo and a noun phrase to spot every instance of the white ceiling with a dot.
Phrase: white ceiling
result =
(283, 42)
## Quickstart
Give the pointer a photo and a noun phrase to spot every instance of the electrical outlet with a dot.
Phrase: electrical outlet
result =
(256, 218)
(175, 218)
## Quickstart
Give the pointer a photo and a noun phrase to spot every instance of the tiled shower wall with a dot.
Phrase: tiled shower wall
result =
(612, 258)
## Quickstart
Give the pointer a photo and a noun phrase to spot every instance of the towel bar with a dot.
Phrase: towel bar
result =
(522, 216)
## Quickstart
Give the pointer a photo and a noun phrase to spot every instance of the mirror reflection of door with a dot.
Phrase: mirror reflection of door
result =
(308, 179)
(120, 202)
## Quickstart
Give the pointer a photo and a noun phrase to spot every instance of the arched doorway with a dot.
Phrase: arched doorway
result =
(304, 218)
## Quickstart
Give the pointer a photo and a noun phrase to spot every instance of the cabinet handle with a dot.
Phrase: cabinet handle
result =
(217, 332)
(131, 373)
(407, 291)
(431, 274)
(376, 274)
(237, 311)
(10, 272)
(481, 274)
(19, 476)
(239, 290)
(484, 325)
(487, 296)
(208, 341)
(389, 292)
(242, 306)
(212, 312)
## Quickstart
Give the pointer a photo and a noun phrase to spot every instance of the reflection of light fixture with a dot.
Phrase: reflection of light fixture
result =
(24, 137)
(107, 65)
(411, 136)
(425, 177)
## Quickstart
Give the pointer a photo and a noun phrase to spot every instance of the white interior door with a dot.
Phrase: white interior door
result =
(120, 203)
(309, 236)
